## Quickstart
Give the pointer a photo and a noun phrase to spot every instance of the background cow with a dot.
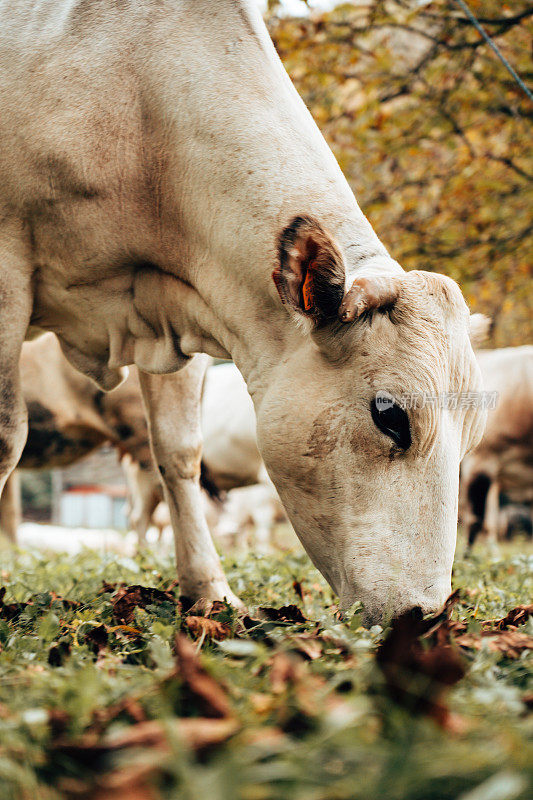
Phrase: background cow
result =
(68, 417)
(499, 471)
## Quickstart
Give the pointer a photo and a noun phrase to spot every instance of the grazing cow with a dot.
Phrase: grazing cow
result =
(164, 192)
(500, 469)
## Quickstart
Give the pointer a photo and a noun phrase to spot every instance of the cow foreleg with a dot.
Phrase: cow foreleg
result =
(492, 511)
(145, 495)
(10, 507)
(476, 502)
(15, 310)
(173, 413)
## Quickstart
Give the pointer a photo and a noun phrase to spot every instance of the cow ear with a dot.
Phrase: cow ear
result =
(369, 294)
(310, 276)
(479, 329)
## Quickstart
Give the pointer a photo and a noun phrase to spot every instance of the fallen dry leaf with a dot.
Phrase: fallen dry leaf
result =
(10, 611)
(128, 598)
(128, 630)
(97, 638)
(516, 616)
(131, 781)
(511, 644)
(308, 644)
(285, 670)
(203, 690)
(417, 673)
(211, 628)
(128, 706)
(197, 732)
(298, 588)
(290, 613)
(58, 721)
(419, 660)
(68, 604)
(59, 652)
(501, 635)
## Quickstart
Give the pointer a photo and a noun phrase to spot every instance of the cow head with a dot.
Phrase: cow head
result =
(353, 429)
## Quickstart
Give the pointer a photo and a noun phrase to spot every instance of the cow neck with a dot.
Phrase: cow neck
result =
(254, 160)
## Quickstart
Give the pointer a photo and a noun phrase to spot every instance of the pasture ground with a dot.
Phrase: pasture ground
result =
(100, 701)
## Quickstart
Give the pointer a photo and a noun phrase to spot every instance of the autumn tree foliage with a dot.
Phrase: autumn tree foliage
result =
(433, 134)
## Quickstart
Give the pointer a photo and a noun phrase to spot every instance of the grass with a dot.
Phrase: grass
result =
(310, 714)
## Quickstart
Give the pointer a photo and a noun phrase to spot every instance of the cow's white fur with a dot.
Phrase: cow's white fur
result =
(151, 154)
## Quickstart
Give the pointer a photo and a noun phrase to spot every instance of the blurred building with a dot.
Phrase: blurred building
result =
(91, 493)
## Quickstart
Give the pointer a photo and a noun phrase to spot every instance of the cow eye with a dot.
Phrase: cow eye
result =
(391, 420)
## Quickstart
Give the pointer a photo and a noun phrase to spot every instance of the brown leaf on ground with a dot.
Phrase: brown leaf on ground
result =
(58, 721)
(286, 669)
(132, 781)
(128, 598)
(298, 695)
(97, 638)
(152, 737)
(308, 644)
(68, 604)
(417, 673)
(501, 635)
(290, 613)
(127, 707)
(127, 630)
(10, 611)
(298, 588)
(59, 652)
(210, 628)
(108, 588)
(204, 690)
(197, 732)
(511, 643)
(246, 622)
(129, 784)
(516, 616)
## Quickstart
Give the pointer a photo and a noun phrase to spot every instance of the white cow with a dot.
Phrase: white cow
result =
(502, 464)
(69, 417)
(230, 462)
(164, 192)
(229, 430)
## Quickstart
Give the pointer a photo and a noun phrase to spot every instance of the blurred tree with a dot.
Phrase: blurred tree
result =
(433, 135)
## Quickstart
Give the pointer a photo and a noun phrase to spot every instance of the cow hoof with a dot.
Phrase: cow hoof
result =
(217, 590)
